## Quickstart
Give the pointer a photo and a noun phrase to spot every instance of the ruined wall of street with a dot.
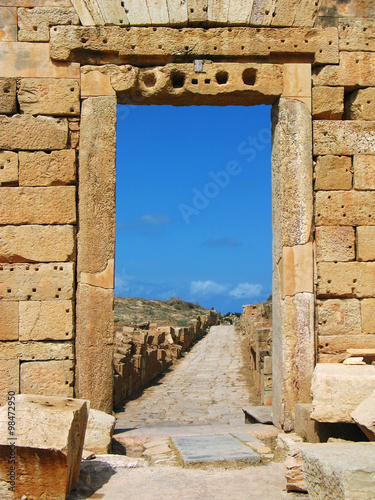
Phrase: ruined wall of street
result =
(64, 64)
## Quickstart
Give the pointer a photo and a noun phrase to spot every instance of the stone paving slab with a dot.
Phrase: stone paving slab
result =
(214, 448)
(246, 437)
(258, 414)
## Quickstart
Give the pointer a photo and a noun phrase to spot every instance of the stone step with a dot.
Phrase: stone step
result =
(258, 414)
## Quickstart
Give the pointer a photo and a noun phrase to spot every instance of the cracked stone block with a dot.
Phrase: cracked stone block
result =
(46, 320)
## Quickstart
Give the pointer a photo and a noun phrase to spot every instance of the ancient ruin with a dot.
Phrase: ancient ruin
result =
(65, 64)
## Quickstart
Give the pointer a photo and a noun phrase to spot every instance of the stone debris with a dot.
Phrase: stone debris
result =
(49, 436)
(99, 432)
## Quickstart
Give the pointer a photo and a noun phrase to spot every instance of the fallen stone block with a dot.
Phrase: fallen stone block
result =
(338, 389)
(364, 416)
(50, 433)
(100, 427)
(258, 414)
(340, 471)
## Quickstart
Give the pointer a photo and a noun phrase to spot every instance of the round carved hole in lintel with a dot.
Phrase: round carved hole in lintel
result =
(249, 76)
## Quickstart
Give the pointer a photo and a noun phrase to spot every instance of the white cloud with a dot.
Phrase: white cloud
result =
(155, 220)
(246, 291)
(207, 288)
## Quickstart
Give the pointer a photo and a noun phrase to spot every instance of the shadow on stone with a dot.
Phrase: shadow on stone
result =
(94, 474)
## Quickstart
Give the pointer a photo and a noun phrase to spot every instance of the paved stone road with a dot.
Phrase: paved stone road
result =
(205, 387)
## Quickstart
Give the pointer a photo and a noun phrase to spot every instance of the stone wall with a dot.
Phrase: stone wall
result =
(63, 67)
(144, 353)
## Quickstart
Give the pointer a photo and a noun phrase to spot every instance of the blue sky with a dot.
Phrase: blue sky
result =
(193, 204)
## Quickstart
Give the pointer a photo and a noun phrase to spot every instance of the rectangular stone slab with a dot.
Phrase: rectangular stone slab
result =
(215, 448)
(113, 44)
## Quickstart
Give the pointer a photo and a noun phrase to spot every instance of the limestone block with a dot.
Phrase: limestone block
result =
(137, 12)
(239, 12)
(297, 82)
(49, 96)
(368, 315)
(9, 378)
(345, 208)
(333, 172)
(9, 321)
(37, 281)
(332, 348)
(8, 104)
(44, 205)
(341, 471)
(37, 243)
(335, 243)
(305, 426)
(33, 24)
(99, 432)
(357, 34)
(296, 270)
(47, 320)
(103, 279)
(360, 105)
(291, 176)
(217, 11)
(343, 137)
(8, 167)
(364, 416)
(158, 10)
(47, 378)
(47, 169)
(338, 389)
(327, 103)
(89, 12)
(355, 69)
(97, 184)
(366, 243)
(364, 172)
(50, 436)
(31, 60)
(91, 45)
(95, 83)
(94, 346)
(346, 279)
(289, 12)
(33, 132)
(178, 14)
(339, 317)
(36, 351)
(8, 24)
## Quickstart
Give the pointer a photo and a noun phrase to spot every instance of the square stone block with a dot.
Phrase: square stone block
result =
(366, 243)
(333, 172)
(364, 172)
(46, 169)
(47, 378)
(339, 317)
(327, 103)
(47, 320)
(335, 243)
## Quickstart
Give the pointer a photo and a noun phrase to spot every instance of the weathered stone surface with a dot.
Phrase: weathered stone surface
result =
(294, 475)
(238, 12)
(346, 279)
(292, 202)
(332, 348)
(293, 355)
(36, 3)
(45, 205)
(87, 45)
(103, 279)
(364, 416)
(47, 169)
(94, 346)
(327, 103)
(339, 317)
(296, 270)
(47, 320)
(8, 24)
(338, 389)
(50, 436)
(8, 104)
(355, 69)
(8, 167)
(360, 105)
(33, 132)
(49, 96)
(297, 82)
(33, 24)
(366, 243)
(9, 320)
(364, 172)
(97, 174)
(36, 351)
(335, 243)
(9, 378)
(345, 208)
(341, 471)
(367, 315)
(334, 137)
(357, 34)
(47, 378)
(37, 281)
(31, 60)
(99, 432)
(333, 172)
(305, 426)
(219, 83)
(37, 243)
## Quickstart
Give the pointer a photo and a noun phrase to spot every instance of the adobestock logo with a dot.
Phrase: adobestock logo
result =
(220, 180)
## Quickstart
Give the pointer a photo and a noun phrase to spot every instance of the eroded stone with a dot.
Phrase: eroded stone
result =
(47, 378)
(339, 317)
(364, 172)
(42, 169)
(8, 104)
(360, 105)
(45, 320)
(356, 69)
(100, 427)
(33, 24)
(367, 315)
(334, 137)
(346, 279)
(8, 167)
(49, 96)
(333, 172)
(344, 208)
(335, 243)
(327, 103)
(9, 320)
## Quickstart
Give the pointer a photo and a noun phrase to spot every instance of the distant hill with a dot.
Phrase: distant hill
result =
(174, 312)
